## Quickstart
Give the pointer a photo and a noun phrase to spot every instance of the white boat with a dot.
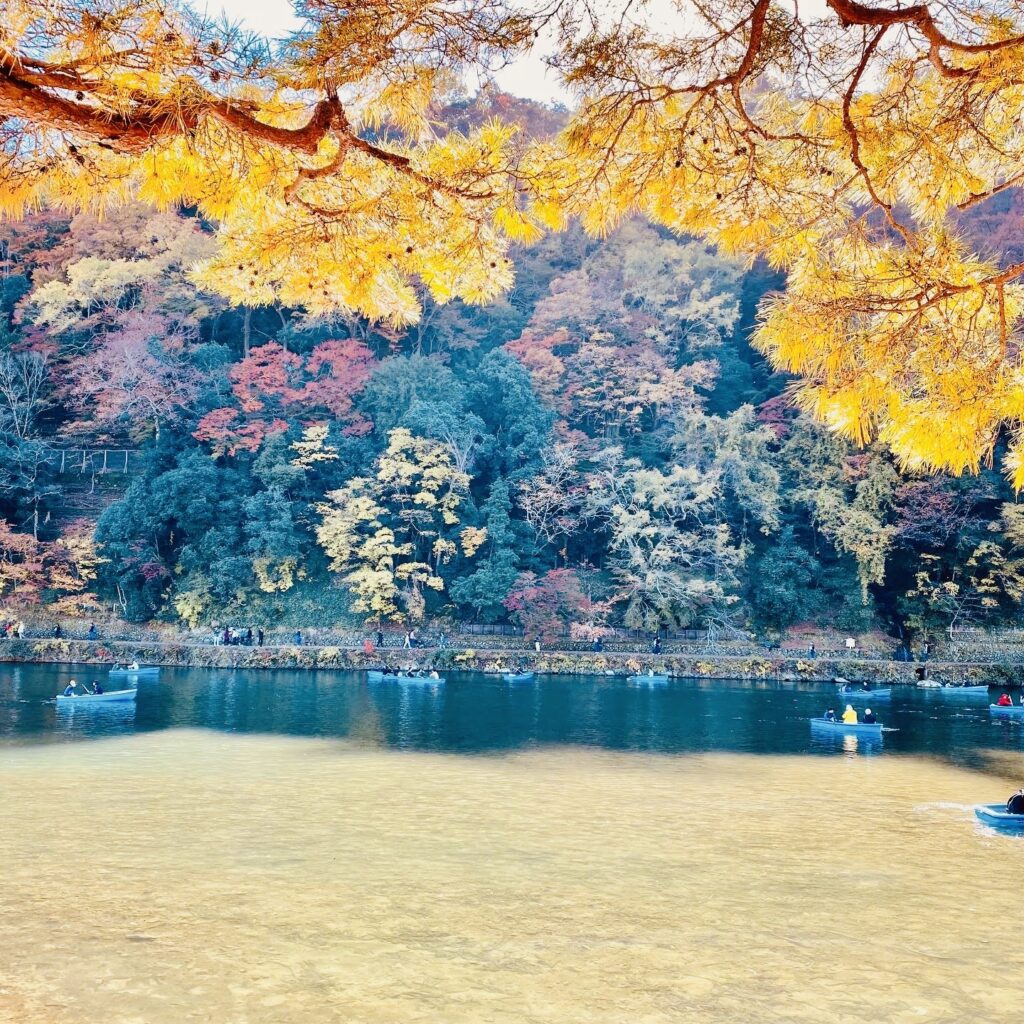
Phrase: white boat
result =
(518, 677)
(648, 680)
(110, 697)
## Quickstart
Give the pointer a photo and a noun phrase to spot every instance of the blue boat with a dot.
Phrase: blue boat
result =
(518, 677)
(648, 680)
(952, 690)
(866, 694)
(862, 728)
(142, 672)
(1010, 710)
(401, 677)
(109, 697)
(996, 816)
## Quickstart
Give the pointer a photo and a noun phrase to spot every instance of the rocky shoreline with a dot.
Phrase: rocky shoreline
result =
(767, 666)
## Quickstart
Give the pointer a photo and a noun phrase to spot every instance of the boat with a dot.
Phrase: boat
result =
(142, 672)
(867, 694)
(952, 688)
(997, 816)
(1011, 710)
(110, 697)
(376, 676)
(648, 680)
(416, 680)
(865, 728)
(518, 677)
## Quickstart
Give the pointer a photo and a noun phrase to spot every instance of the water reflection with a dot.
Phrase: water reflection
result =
(85, 718)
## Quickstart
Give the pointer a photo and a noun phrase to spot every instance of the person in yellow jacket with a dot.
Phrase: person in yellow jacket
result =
(849, 715)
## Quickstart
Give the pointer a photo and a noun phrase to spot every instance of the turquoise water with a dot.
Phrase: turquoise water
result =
(475, 713)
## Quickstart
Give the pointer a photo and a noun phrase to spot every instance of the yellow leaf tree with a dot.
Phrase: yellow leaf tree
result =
(840, 143)
(391, 534)
(331, 187)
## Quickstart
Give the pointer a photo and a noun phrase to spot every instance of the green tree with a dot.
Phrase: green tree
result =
(484, 590)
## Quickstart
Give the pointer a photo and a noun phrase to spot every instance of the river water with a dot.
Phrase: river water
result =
(242, 848)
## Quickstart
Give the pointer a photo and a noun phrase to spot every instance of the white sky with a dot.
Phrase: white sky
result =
(528, 77)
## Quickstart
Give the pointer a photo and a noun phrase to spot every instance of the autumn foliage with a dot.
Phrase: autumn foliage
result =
(272, 384)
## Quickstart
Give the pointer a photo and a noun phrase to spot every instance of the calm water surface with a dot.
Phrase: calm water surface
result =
(476, 713)
(305, 848)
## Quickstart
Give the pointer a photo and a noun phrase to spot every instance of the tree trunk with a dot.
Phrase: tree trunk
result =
(246, 332)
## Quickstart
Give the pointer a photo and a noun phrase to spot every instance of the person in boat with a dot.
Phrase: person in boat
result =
(133, 667)
(849, 715)
(433, 674)
(69, 690)
(1005, 701)
(97, 688)
(1015, 805)
(869, 717)
(830, 715)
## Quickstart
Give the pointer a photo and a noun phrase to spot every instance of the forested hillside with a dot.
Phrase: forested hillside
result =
(600, 445)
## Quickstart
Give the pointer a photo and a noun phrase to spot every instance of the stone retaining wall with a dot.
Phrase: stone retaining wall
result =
(565, 662)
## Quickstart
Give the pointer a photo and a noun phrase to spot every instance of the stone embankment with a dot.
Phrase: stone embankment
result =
(767, 666)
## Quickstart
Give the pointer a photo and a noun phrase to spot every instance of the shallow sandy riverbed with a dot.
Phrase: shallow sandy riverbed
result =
(193, 876)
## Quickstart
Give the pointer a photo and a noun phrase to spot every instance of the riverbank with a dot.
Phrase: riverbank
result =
(719, 666)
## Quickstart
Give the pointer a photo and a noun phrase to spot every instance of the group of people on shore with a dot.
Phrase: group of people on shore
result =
(235, 638)
(410, 641)
(13, 628)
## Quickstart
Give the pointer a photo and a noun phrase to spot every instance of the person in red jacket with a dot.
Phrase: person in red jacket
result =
(1005, 701)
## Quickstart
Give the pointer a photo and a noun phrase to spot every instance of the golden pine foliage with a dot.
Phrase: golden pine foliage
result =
(838, 146)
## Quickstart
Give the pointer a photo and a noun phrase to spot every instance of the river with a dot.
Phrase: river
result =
(243, 848)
